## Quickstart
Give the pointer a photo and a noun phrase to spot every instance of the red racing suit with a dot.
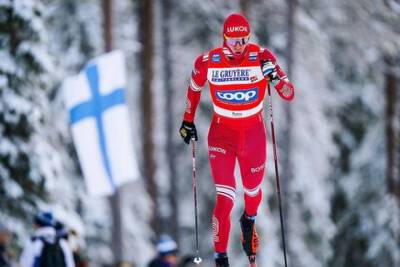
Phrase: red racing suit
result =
(237, 132)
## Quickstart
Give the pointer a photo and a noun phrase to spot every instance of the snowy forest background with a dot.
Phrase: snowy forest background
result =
(339, 148)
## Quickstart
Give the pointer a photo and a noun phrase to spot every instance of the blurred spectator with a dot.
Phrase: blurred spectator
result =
(167, 253)
(77, 244)
(45, 249)
(5, 240)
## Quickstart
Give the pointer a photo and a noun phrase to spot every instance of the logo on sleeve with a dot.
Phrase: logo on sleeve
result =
(253, 56)
(216, 58)
(238, 97)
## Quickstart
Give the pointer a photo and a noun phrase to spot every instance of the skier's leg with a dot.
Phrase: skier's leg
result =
(252, 166)
(222, 161)
(252, 158)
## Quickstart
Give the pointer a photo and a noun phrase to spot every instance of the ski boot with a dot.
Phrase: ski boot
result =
(249, 237)
(221, 260)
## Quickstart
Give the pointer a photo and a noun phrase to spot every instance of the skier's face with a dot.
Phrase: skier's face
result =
(237, 45)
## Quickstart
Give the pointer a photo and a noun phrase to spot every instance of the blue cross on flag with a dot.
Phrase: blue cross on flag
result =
(100, 124)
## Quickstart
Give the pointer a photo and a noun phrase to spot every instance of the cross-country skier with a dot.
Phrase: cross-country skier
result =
(237, 73)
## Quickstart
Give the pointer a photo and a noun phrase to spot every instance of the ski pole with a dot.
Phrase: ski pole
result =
(277, 172)
(197, 259)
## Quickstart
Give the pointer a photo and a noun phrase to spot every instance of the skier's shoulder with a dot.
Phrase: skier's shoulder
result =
(201, 61)
(203, 57)
(267, 54)
(215, 52)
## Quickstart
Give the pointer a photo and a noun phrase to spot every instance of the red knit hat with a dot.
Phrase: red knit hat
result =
(236, 25)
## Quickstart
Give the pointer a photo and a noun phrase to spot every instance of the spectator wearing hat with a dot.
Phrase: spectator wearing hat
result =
(45, 248)
(5, 239)
(167, 253)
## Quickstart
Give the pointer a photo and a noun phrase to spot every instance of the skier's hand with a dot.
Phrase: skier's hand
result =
(269, 71)
(188, 131)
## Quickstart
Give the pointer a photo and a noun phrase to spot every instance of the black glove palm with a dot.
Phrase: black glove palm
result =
(188, 131)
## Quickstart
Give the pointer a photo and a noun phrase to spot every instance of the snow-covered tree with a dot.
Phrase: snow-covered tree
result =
(366, 214)
(26, 160)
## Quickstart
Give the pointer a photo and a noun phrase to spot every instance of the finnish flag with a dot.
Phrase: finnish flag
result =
(100, 124)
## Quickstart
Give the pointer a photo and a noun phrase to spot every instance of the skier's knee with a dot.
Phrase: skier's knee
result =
(252, 191)
(225, 191)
